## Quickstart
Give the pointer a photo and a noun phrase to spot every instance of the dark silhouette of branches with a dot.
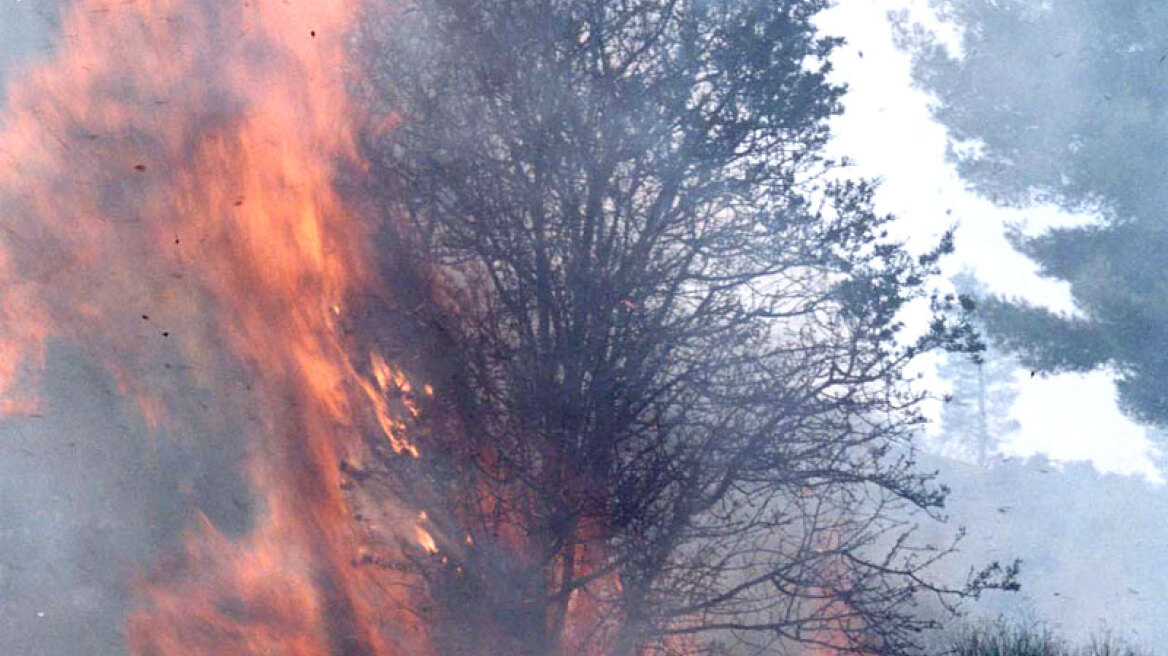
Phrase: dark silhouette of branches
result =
(674, 331)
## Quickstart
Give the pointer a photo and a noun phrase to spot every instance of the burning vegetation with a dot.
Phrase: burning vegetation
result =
(540, 324)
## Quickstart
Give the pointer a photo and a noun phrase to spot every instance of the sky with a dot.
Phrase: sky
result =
(888, 131)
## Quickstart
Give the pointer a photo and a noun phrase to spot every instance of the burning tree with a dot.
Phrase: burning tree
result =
(671, 329)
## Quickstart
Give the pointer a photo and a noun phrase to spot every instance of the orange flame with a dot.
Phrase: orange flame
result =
(840, 630)
(391, 382)
(167, 194)
(425, 539)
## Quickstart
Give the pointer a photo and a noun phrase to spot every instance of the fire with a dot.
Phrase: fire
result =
(391, 383)
(167, 194)
(839, 630)
(425, 540)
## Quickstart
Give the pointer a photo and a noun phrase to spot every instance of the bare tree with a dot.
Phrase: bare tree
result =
(684, 413)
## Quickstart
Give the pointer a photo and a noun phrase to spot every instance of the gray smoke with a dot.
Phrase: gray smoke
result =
(88, 498)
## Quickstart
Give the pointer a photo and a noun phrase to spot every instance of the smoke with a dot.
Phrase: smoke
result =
(28, 31)
(89, 495)
(1091, 564)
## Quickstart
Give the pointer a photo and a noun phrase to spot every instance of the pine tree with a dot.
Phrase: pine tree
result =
(976, 414)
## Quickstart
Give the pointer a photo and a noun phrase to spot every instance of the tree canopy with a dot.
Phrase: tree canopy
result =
(1065, 102)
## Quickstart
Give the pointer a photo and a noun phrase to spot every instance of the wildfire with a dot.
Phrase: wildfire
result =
(168, 194)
